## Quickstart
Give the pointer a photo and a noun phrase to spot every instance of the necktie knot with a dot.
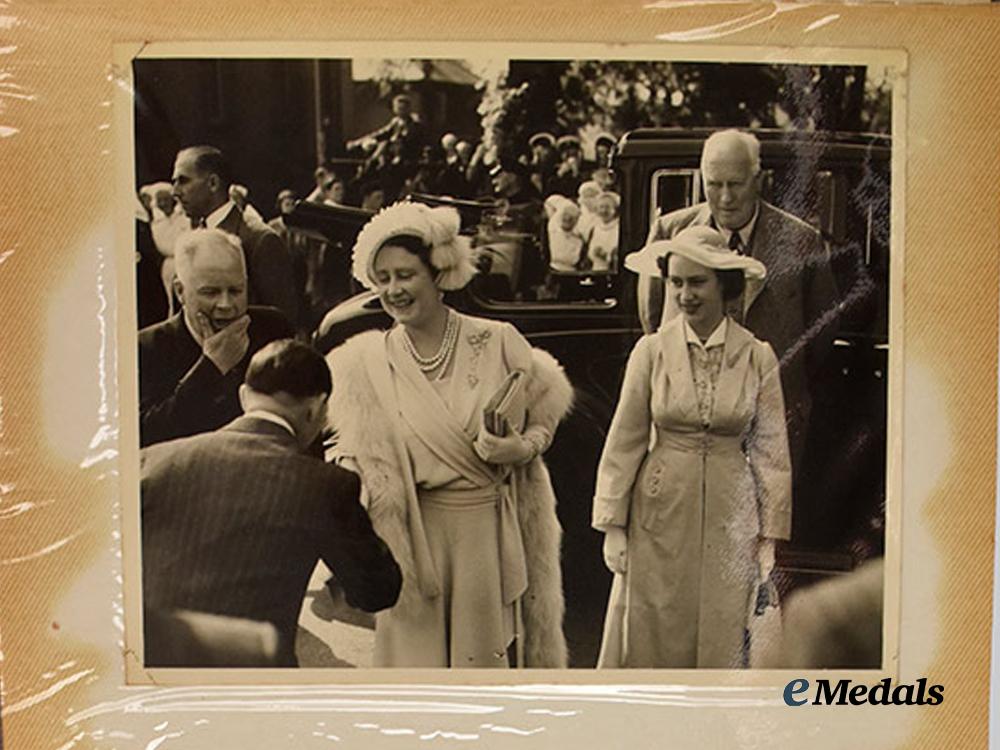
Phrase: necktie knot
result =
(735, 243)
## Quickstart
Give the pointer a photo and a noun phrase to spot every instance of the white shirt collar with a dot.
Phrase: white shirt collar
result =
(268, 416)
(215, 218)
(194, 334)
(717, 337)
(746, 231)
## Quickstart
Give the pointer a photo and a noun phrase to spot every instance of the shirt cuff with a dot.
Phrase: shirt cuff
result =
(608, 512)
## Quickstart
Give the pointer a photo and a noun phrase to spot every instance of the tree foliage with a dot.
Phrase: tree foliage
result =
(582, 96)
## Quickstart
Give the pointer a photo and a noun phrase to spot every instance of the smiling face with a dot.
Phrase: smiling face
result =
(569, 217)
(731, 186)
(405, 286)
(212, 282)
(697, 292)
(606, 208)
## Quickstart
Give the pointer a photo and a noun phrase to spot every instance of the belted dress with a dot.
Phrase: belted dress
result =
(460, 538)
(696, 470)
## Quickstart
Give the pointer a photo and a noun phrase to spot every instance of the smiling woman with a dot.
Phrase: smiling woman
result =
(469, 512)
(690, 519)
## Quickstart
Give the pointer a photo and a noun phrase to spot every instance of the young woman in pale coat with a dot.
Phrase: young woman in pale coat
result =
(694, 484)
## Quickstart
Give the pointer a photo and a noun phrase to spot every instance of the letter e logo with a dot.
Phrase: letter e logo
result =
(799, 685)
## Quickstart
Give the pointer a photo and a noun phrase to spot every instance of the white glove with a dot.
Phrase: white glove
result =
(511, 449)
(616, 550)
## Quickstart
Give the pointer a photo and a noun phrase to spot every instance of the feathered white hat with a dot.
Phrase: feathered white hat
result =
(451, 254)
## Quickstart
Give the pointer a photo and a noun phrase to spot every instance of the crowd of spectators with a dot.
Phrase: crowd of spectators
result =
(543, 200)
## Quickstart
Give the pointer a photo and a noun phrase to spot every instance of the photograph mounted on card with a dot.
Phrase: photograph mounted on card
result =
(667, 285)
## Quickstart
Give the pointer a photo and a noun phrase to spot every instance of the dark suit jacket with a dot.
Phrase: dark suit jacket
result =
(270, 274)
(796, 311)
(234, 521)
(182, 392)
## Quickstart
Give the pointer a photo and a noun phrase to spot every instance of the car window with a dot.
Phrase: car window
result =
(672, 189)
(546, 254)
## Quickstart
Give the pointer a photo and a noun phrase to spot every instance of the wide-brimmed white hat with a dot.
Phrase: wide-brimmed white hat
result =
(701, 244)
(451, 253)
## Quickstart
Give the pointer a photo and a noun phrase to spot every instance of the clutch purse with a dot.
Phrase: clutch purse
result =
(506, 408)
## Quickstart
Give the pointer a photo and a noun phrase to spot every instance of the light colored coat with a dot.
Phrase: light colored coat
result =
(695, 504)
(795, 312)
(365, 425)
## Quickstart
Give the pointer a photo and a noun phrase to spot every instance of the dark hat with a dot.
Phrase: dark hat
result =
(565, 142)
(605, 138)
(542, 137)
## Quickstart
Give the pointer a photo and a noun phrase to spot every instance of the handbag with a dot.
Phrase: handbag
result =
(506, 409)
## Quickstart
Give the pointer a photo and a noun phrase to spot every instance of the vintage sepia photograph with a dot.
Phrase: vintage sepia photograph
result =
(513, 363)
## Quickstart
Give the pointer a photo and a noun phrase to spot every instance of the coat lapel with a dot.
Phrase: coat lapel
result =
(763, 249)
(231, 222)
(682, 391)
(730, 386)
(432, 420)
(703, 218)
(375, 357)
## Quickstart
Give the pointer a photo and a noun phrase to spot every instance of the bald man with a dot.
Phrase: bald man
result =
(201, 183)
(797, 308)
(191, 365)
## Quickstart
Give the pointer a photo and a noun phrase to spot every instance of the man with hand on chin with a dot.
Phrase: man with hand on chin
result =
(191, 365)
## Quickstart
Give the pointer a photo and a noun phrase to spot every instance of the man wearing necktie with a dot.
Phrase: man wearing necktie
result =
(796, 310)
(201, 184)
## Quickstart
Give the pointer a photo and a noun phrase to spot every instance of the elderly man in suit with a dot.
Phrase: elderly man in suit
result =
(191, 365)
(234, 521)
(202, 181)
(796, 310)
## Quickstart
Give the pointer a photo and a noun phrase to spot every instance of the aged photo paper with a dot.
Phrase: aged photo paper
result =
(72, 670)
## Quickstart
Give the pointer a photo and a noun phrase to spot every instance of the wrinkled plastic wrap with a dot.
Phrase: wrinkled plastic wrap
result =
(67, 391)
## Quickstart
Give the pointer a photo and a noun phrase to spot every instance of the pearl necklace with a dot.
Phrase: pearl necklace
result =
(443, 355)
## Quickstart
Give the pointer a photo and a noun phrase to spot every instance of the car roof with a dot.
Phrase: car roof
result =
(775, 144)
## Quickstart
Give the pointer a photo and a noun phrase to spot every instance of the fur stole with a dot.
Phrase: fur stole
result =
(365, 436)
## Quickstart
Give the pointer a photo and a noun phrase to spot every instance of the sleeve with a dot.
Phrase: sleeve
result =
(538, 429)
(767, 449)
(360, 560)
(627, 442)
(183, 409)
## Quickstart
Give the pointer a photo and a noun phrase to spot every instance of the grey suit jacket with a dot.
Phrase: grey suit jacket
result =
(270, 276)
(795, 312)
(234, 521)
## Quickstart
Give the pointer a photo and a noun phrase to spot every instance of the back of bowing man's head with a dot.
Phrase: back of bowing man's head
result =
(292, 380)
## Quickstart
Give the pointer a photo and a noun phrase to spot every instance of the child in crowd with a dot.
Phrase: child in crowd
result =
(603, 245)
(588, 206)
(566, 241)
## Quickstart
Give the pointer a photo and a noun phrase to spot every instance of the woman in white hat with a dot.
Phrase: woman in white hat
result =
(694, 483)
(468, 512)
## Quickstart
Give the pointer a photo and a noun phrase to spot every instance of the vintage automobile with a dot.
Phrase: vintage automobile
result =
(590, 322)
